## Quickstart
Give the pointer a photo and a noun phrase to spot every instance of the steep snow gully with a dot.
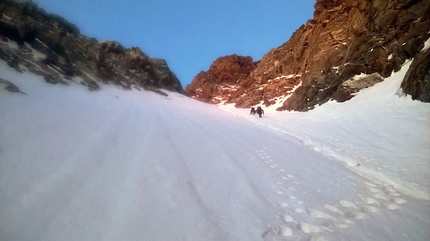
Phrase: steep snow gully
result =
(134, 165)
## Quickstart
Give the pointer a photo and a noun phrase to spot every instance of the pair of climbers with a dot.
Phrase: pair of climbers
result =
(259, 111)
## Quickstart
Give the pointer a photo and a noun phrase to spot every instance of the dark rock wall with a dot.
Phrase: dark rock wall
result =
(67, 54)
(417, 79)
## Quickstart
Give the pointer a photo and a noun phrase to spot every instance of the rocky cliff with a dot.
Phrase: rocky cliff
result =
(46, 44)
(344, 39)
(221, 80)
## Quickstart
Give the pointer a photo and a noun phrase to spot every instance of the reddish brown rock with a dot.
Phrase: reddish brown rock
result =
(344, 39)
(221, 80)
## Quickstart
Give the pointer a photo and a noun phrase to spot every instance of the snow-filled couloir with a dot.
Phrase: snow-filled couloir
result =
(135, 165)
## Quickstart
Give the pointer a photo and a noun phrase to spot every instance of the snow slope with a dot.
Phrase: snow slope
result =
(131, 165)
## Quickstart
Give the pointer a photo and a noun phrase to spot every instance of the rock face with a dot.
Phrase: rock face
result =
(221, 80)
(46, 44)
(417, 79)
(344, 39)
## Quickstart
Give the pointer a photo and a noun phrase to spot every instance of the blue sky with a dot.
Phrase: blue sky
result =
(189, 34)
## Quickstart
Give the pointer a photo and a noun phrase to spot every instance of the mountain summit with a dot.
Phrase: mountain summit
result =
(46, 44)
(319, 61)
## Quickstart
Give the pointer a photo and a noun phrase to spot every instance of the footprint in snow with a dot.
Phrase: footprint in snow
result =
(319, 214)
(327, 220)
(398, 200)
(276, 232)
(370, 209)
(288, 219)
(317, 238)
(308, 228)
(347, 204)
(391, 206)
(371, 201)
(332, 208)
(285, 231)
(355, 215)
(391, 191)
(387, 195)
(299, 210)
(370, 184)
(380, 195)
(283, 205)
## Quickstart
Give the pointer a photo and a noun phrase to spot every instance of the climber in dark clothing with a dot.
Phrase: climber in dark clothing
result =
(259, 111)
(253, 111)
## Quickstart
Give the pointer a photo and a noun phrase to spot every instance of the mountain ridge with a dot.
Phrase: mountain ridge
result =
(344, 39)
(48, 45)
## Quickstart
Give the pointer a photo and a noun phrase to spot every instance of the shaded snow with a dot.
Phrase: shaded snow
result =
(134, 165)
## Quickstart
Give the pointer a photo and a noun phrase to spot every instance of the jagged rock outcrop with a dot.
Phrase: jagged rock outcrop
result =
(46, 44)
(344, 39)
(417, 79)
(221, 80)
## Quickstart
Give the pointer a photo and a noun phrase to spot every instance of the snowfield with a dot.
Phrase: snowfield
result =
(135, 165)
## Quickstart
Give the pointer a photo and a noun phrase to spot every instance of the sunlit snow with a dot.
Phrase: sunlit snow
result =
(135, 165)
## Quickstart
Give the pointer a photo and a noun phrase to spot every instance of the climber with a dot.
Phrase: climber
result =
(252, 111)
(259, 111)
